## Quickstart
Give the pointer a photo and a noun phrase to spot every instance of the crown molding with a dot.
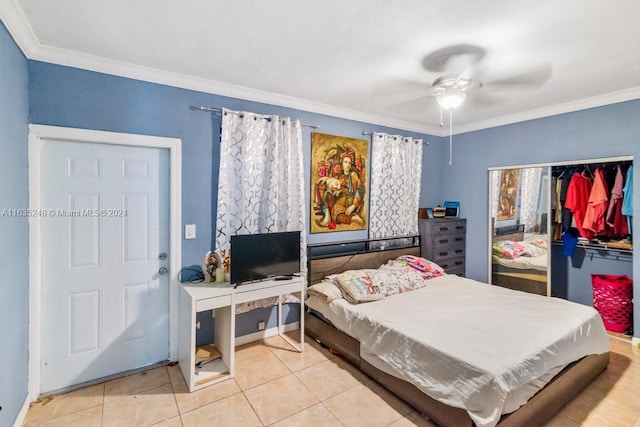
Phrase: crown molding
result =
(18, 26)
(568, 107)
(98, 64)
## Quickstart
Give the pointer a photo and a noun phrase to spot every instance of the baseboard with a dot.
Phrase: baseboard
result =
(22, 415)
(256, 336)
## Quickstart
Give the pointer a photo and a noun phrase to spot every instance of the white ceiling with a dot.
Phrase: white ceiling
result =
(359, 59)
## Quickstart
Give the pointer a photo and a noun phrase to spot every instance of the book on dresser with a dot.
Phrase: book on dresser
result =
(443, 241)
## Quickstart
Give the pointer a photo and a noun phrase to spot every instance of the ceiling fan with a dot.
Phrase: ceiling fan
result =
(464, 72)
(456, 61)
(462, 76)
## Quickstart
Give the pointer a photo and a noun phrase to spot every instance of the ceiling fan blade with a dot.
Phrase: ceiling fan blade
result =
(453, 59)
(531, 79)
(483, 100)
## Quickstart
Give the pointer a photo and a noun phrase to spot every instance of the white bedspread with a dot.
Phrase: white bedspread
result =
(469, 344)
(538, 263)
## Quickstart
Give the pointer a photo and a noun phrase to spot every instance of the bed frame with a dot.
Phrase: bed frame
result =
(532, 281)
(538, 410)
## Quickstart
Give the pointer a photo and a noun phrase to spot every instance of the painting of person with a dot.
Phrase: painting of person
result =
(338, 183)
(508, 194)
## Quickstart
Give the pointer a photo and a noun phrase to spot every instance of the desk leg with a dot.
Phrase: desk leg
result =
(280, 315)
(298, 347)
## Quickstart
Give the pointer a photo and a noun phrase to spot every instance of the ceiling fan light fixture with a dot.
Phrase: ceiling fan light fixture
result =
(451, 99)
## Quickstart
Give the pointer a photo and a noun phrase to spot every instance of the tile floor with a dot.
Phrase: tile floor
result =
(276, 386)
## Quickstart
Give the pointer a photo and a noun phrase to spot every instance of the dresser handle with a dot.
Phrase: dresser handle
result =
(459, 262)
(459, 239)
(458, 251)
(443, 240)
(444, 228)
(459, 227)
(443, 253)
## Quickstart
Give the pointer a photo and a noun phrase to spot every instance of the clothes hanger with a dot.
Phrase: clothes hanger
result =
(586, 169)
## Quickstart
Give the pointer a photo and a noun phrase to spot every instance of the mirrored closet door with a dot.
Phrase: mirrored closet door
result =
(519, 229)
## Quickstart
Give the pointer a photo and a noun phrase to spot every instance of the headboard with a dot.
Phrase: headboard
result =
(514, 233)
(516, 237)
(373, 254)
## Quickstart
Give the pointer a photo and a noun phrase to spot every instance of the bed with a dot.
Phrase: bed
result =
(427, 370)
(523, 270)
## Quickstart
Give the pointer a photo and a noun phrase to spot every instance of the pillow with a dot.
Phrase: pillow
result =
(541, 243)
(357, 286)
(532, 250)
(326, 291)
(508, 249)
(427, 269)
(393, 281)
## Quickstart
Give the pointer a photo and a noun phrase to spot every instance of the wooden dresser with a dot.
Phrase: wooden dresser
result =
(442, 240)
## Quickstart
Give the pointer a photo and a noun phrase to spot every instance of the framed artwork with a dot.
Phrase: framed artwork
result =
(508, 194)
(338, 183)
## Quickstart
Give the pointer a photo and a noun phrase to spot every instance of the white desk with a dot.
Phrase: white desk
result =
(222, 298)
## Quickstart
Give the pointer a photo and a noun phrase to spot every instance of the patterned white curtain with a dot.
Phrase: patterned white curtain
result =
(396, 172)
(495, 192)
(530, 195)
(261, 186)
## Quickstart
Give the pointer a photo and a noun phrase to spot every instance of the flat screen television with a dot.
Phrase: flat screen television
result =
(263, 256)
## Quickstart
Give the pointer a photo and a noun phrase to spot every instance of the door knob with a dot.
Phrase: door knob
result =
(163, 271)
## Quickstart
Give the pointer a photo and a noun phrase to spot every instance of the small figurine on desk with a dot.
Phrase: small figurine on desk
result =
(216, 266)
(209, 266)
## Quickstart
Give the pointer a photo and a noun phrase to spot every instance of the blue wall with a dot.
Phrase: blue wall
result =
(608, 131)
(14, 232)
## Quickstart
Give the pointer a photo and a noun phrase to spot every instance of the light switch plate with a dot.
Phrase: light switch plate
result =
(190, 231)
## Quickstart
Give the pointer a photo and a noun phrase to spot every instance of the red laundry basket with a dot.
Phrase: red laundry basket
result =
(613, 298)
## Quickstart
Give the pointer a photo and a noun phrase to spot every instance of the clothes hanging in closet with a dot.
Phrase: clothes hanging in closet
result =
(594, 217)
(615, 218)
(596, 207)
(578, 193)
(627, 203)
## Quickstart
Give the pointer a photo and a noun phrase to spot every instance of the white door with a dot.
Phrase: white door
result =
(105, 304)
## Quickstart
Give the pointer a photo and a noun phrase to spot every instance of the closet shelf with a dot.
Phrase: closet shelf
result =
(611, 247)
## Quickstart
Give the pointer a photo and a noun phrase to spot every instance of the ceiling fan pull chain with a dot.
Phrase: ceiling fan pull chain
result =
(450, 137)
(441, 122)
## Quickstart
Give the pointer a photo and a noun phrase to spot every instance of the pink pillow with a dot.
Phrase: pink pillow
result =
(427, 269)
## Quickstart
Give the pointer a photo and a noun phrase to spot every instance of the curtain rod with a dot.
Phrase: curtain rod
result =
(219, 111)
(425, 142)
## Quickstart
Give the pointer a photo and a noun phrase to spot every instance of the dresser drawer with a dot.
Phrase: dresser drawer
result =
(452, 264)
(449, 227)
(213, 303)
(448, 240)
(444, 252)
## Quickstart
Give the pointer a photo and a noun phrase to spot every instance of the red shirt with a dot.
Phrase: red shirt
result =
(577, 200)
(598, 200)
